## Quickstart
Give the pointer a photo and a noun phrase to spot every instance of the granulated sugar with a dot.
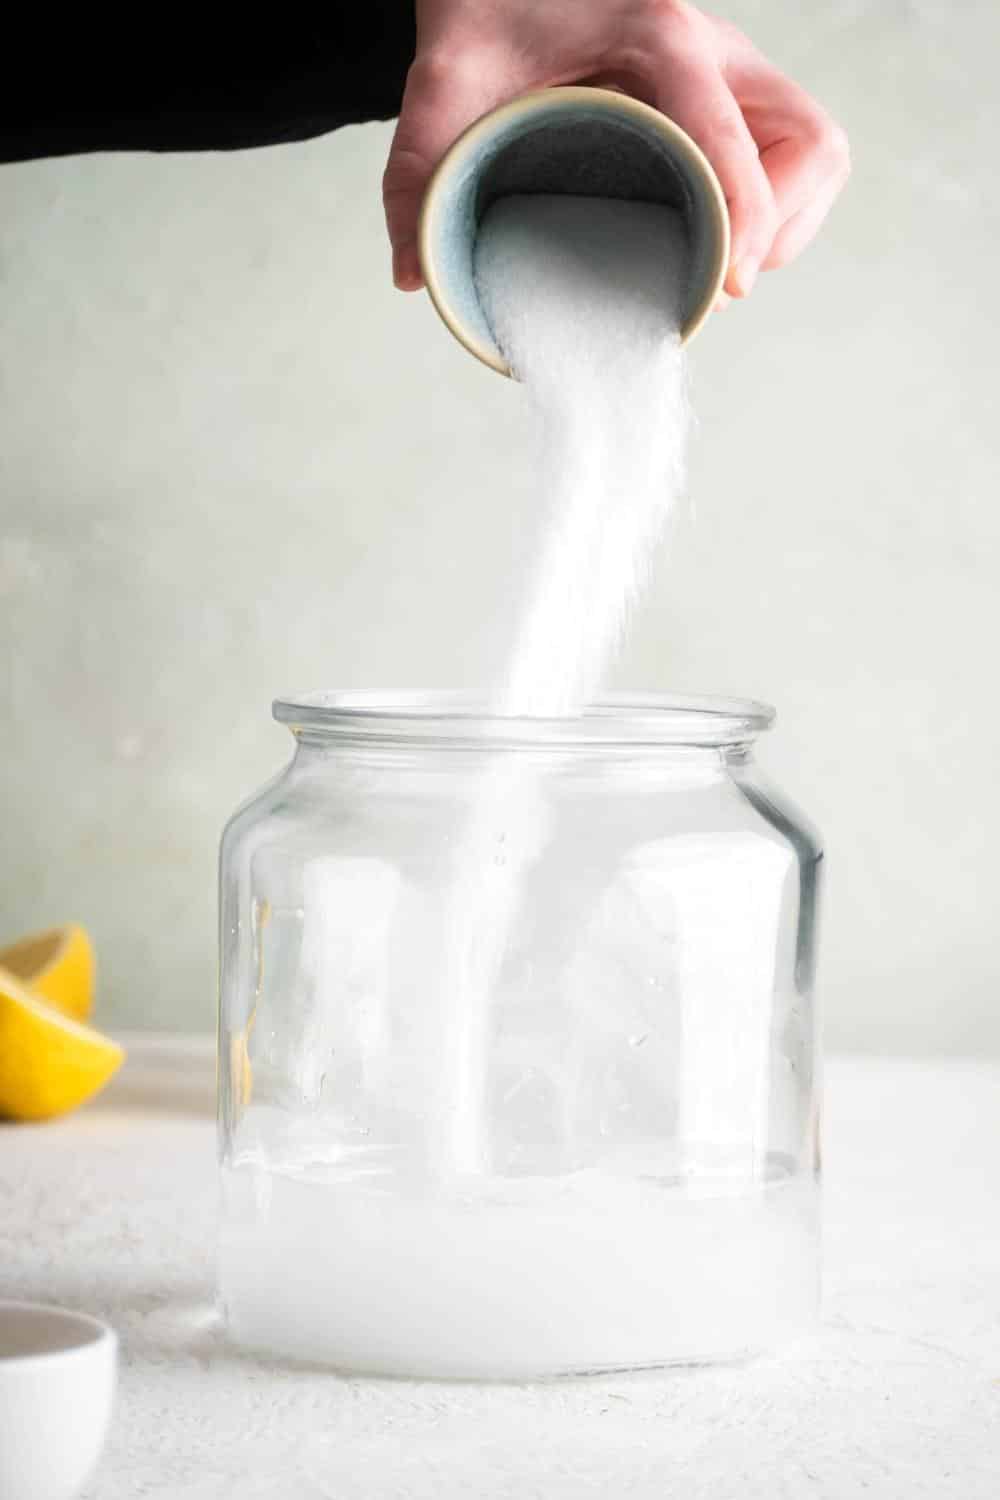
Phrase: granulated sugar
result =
(585, 297)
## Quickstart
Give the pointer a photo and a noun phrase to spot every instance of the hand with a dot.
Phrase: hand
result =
(780, 158)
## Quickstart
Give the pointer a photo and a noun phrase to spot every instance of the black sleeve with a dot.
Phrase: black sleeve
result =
(107, 88)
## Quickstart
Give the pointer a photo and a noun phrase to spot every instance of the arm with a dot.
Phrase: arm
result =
(98, 86)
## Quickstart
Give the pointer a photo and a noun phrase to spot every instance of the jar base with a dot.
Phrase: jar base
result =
(528, 1279)
(516, 1376)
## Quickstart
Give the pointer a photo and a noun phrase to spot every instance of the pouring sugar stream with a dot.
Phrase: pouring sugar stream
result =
(585, 297)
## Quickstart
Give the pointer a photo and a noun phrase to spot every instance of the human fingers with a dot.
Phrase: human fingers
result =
(803, 151)
(692, 91)
(798, 231)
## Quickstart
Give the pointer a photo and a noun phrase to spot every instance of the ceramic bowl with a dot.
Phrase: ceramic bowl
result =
(57, 1383)
(589, 141)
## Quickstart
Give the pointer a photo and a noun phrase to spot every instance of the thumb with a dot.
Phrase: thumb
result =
(441, 98)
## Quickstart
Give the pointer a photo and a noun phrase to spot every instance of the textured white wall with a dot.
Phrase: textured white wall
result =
(234, 461)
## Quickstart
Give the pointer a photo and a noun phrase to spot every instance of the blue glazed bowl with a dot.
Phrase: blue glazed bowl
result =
(588, 141)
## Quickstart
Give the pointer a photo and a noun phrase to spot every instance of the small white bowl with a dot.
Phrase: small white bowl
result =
(57, 1386)
(594, 142)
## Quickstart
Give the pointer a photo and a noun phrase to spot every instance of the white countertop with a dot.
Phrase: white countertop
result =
(112, 1211)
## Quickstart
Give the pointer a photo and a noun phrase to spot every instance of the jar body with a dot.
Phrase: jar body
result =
(517, 1059)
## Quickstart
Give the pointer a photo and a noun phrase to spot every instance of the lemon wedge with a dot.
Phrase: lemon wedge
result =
(57, 965)
(49, 1063)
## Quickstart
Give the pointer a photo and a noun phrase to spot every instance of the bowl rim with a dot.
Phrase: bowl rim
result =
(91, 1334)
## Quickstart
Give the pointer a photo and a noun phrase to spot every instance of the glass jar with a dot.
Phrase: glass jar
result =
(517, 1050)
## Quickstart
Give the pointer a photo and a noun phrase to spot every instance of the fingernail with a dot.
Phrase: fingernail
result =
(744, 276)
(406, 270)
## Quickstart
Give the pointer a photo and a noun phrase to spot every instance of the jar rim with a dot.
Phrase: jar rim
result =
(447, 717)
